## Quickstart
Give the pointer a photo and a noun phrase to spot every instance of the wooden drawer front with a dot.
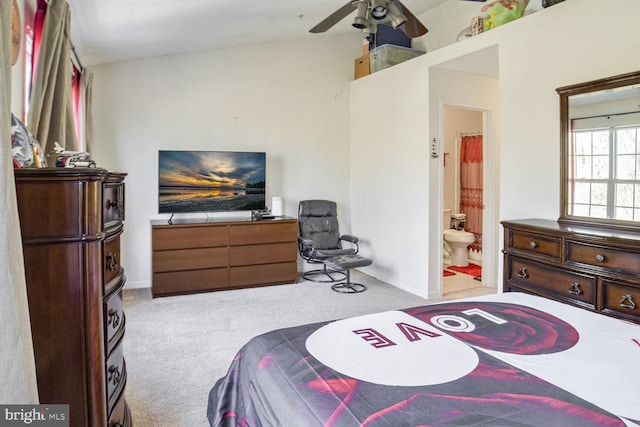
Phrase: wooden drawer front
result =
(609, 258)
(536, 243)
(113, 319)
(190, 259)
(263, 274)
(58, 209)
(190, 281)
(263, 232)
(565, 284)
(111, 259)
(621, 299)
(263, 254)
(112, 204)
(178, 237)
(116, 373)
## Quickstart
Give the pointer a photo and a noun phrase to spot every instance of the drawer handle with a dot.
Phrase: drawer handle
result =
(114, 318)
(114, 375)
(628, 302)
(523, 273)
(533, 244)
(114, 204)
(599, 258)
(112, 262)
(575, 289)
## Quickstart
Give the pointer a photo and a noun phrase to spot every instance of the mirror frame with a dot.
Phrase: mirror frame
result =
(565, 92)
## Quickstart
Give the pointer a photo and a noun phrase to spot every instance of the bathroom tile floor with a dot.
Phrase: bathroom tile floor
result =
(459, 282)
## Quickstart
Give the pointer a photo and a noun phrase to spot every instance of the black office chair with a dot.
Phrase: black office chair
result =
(320, 239)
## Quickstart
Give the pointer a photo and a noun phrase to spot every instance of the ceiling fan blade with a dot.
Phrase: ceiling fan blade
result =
(413, 27)
(335, 17)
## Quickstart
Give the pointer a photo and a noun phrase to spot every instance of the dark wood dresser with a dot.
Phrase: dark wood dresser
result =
(71, 222)
(208, 256)
(596, 269)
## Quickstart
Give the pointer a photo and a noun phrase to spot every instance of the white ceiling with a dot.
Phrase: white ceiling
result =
(105, 31)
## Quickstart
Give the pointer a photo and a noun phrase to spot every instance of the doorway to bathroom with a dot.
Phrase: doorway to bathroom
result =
(462, 148)
(475, 90)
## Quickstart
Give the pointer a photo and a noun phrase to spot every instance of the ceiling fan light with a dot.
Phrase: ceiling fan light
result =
(361, 21)
(379, 9)
(397, 18)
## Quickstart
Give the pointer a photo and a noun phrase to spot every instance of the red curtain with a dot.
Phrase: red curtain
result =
(471, 186)
(38, 24)
(76, 89)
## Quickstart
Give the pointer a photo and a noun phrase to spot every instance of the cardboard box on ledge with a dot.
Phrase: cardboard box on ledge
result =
(362, 66)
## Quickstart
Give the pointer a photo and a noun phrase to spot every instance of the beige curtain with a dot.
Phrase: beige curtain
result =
(51, 110)
(17, 365)
(86, 95)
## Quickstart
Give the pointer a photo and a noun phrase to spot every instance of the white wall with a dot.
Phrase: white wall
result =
(455, 121)
(393, 169)
(389, 181)
(392, 205)
(569, 43)
(290, 99)
(445, 22)
(293, 100)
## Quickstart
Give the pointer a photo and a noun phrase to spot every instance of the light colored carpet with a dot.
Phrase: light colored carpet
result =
(177, 347)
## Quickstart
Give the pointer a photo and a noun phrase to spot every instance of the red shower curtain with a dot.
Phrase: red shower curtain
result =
(471, 186)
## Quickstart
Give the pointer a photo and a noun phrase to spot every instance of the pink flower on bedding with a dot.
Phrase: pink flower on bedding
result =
(265, 362)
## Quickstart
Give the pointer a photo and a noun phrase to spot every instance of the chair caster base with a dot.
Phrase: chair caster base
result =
(348, 288)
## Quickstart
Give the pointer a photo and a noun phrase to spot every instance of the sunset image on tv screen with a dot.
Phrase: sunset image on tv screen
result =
(210, 181)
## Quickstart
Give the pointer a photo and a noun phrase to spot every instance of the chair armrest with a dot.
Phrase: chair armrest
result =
(305, 243)
(349, 238)
(305, 247)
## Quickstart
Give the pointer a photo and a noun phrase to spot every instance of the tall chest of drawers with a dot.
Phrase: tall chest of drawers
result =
(592, 268)
(71, 222)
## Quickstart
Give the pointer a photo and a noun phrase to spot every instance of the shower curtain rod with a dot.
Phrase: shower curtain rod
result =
(470, 133)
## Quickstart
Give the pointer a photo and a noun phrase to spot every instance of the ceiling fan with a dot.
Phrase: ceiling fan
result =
(370, 13)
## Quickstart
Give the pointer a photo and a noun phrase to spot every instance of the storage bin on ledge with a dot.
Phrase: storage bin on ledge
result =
(388, 55)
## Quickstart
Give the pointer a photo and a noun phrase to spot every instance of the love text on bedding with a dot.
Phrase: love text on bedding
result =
(378, 340)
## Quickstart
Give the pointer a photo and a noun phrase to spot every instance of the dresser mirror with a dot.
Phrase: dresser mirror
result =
(600, 153)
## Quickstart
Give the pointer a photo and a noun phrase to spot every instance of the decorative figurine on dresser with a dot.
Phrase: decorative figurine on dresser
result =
(71, 222)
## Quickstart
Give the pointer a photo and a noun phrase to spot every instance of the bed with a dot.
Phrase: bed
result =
(509, 359)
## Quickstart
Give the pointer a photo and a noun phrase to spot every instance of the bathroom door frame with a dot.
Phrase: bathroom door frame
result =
(490, 219)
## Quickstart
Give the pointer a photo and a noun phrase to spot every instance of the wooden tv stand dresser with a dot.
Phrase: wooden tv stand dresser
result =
(593, 268)
(198, 256)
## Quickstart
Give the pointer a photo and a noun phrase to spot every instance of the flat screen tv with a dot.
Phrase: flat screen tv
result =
(210, 181)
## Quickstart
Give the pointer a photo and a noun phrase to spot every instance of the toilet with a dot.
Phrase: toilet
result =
(455, 241)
